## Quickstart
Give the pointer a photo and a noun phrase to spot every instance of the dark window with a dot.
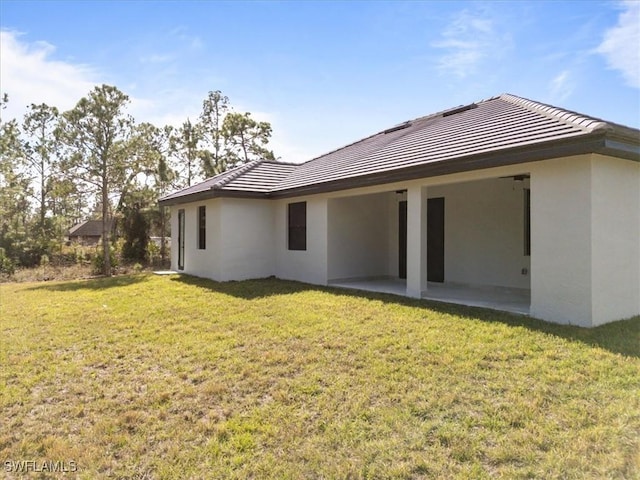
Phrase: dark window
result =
(298, 226)
(435, 239)
(202, 228)
(402, 239)
(527, 222)
(181, 239)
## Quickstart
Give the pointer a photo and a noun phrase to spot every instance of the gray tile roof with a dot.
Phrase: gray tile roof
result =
(88, 228)
(257, 177)
(499, 131)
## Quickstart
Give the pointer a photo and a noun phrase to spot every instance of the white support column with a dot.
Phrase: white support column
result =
(416, 241)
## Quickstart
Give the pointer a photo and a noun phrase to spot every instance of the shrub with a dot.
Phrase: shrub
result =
(136, 236)
(98, 261)
(153, 252)
(6, 265)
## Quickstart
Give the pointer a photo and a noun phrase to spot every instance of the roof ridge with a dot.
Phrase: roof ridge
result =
(279, 162)
(576, 119)
(234, 173)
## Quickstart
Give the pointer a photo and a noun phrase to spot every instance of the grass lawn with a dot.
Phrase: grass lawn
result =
(176, 377)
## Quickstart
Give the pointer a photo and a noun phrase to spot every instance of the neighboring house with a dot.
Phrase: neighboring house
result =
(158, 241)
(506, 195)
(88, 232)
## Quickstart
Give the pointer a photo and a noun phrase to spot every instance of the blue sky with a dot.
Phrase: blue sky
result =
(323, 73)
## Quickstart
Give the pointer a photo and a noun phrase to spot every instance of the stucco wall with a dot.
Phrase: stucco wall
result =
(358, 236)
(615, 237)
(202, 263)
(586, 240)
(561, 241)
(484, 232)
(247, 242)
(239, 239)
(309, 265)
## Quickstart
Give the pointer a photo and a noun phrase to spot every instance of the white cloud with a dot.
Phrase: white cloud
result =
(192, 41)
(467, 41)
(30, 74)
(174, 108)
(620, 44)
(562, 86)
(156, 58)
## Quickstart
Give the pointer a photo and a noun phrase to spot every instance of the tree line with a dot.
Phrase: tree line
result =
(95, 161)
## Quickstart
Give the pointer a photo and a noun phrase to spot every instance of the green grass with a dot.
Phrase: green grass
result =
(176, 377)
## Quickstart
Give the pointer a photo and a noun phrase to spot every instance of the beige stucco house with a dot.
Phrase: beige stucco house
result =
(533, 207)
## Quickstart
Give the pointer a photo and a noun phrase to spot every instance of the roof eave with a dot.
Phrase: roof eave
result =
(622, 142)
(209, 194)
(612, 142)
(512, 156)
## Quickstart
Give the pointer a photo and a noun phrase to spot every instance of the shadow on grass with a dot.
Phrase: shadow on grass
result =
(622, 337)
(247, 289)
(100, 283)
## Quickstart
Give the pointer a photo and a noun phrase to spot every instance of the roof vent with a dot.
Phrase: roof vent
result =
(461, 109)
(400, 126)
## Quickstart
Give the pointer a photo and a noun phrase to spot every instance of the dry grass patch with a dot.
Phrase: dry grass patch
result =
(175, 377)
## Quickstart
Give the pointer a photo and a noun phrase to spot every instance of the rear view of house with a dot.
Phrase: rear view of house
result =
(507, 198)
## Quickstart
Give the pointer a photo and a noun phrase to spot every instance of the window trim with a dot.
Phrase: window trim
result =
(297, 226)
(202, 227)
(181, 231)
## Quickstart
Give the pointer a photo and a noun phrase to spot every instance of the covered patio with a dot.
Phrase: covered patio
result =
(464, 242)
(513, 300)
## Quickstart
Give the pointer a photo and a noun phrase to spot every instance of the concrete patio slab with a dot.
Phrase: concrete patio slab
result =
(514, 300)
